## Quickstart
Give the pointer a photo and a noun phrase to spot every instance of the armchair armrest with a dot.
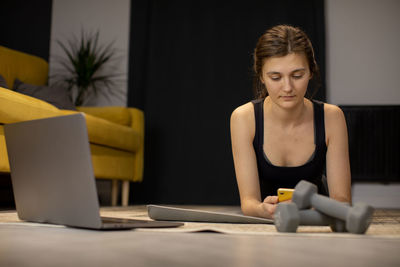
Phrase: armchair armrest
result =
(119, 115)
(131, 117)
(137, 123)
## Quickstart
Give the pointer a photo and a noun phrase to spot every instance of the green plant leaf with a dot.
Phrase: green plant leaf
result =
(84, 59)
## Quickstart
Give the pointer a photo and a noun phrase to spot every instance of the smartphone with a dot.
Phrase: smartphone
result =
(285, 194)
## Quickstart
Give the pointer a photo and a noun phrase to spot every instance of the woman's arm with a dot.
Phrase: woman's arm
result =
(242, 135)
(337, 156)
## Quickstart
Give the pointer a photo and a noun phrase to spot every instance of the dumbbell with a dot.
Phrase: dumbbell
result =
(357, 218)
(287, 218)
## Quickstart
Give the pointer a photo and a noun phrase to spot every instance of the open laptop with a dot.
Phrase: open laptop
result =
(52, 175)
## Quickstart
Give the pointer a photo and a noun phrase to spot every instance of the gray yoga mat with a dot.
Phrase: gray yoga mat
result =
(166, 213)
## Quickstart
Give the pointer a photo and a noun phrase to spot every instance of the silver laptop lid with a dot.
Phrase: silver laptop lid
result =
(51, 171)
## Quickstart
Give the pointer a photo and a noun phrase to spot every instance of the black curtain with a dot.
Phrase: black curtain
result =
(190, 67)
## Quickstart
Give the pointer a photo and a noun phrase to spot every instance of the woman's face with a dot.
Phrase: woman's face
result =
(286, 79)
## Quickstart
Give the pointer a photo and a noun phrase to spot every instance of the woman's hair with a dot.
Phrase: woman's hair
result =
(280, 41)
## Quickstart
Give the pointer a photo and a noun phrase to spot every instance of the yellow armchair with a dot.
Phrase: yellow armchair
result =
(116, 134)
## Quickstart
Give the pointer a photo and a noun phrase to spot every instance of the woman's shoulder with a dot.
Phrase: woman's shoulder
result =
(245, 111)
(242, 122)
(333, 112)
(243, 115)
(335, 121)
(330, 110)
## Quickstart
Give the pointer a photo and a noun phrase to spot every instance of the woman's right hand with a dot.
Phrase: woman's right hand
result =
(268, 206)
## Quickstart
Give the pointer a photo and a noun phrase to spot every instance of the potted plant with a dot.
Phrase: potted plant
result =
(83, 67)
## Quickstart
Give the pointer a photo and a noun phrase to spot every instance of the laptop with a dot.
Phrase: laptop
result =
(52, 175)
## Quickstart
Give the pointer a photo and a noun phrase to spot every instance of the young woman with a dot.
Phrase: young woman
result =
(283, 137)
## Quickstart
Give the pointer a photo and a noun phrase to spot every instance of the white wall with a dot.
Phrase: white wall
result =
(111, 18)
(363, 51)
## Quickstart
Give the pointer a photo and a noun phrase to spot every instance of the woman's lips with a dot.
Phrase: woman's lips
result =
(287, 97)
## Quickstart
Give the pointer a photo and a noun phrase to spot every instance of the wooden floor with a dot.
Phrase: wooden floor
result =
(25, 244)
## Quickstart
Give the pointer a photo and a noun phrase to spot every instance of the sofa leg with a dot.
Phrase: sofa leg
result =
(114, 192)
(125, 193)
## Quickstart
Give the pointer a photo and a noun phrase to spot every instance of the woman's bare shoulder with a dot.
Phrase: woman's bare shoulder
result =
(335, 121)
(333, 113)
(242, 124)
(243, 113)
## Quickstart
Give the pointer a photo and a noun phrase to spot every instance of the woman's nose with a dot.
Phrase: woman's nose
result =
(287, 85)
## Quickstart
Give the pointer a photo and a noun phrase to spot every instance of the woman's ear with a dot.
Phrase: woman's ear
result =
(262, 80)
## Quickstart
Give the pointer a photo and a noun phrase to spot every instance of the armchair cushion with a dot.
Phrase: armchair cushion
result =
(3, 82)
(55, 95)
(16, 107)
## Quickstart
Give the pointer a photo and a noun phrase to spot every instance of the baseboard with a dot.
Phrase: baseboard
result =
(385, 196)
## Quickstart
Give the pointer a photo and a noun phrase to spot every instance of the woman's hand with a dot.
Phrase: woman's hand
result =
(268, 206)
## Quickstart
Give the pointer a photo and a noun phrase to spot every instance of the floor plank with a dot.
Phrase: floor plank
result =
(25, 244)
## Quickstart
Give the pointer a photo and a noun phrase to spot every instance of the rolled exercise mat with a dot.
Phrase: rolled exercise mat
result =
(166, 213)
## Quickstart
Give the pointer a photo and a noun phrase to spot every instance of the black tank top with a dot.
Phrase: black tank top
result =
(273, 177)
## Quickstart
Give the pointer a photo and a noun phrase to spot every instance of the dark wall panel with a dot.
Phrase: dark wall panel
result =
(374, 143)
(25, 26)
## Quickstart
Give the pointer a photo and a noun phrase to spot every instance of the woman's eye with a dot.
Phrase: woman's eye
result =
(275, 78)
(298, 77)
